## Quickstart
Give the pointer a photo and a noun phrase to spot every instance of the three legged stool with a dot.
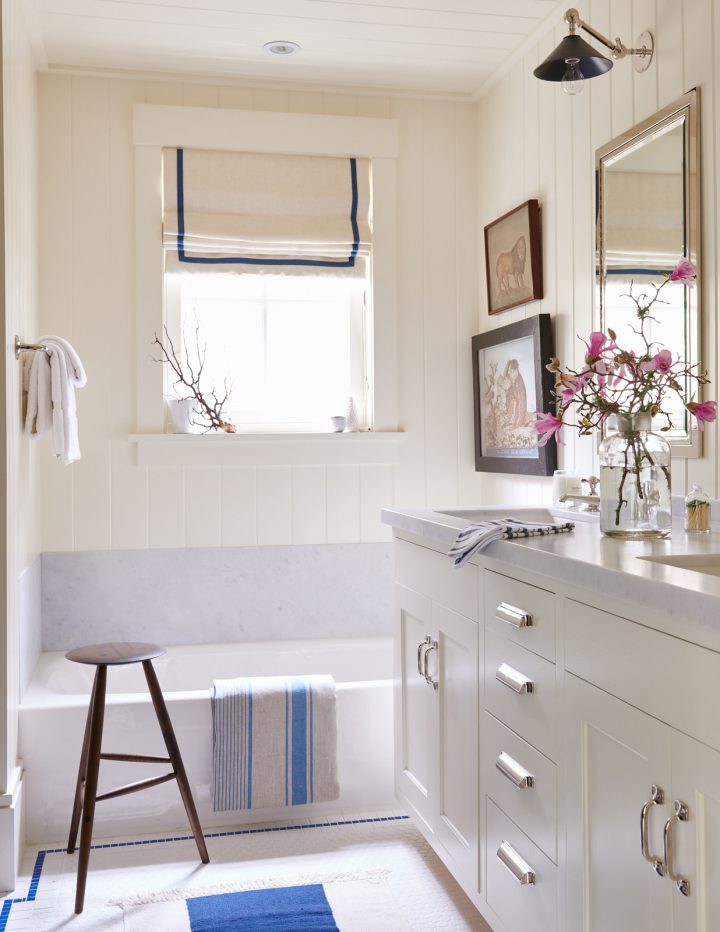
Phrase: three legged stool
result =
(102, 656)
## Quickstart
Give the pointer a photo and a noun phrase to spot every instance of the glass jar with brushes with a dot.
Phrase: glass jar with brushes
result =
(697, 510)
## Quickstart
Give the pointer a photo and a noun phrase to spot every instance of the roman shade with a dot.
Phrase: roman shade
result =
(250, 212)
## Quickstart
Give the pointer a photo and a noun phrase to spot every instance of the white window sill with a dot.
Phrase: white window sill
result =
(266, 449)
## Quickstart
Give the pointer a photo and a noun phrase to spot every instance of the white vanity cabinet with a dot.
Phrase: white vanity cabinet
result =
(561, 758)
(643, 804)
(436, 705)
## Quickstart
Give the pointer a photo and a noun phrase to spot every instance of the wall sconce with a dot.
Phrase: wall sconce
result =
(573, 61)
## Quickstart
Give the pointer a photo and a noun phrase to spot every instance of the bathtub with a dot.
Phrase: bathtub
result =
(54, 707)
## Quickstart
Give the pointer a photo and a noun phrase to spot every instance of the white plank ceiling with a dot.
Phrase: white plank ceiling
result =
(418, 46)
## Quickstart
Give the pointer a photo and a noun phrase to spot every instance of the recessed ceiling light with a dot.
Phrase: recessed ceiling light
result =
(281, 47)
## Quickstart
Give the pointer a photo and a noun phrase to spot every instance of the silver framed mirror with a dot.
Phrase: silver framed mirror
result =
(648, 217)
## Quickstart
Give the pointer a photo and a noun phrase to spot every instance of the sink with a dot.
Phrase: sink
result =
(493, 513)
(707, 563)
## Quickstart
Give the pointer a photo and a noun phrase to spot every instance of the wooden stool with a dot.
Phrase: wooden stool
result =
(103, 656)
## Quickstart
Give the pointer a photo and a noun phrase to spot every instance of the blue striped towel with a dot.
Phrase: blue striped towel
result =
(274, 742)
(476, 537)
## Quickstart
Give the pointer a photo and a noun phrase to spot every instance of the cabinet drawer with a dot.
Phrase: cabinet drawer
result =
(521, 906)
(521, 612)
(506, 762)
(663, 675)
(433, 574)
(531, 714)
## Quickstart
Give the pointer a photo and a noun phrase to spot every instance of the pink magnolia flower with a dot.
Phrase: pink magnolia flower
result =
(704, 411)
(548, 425)
(684, 272)
(661, 362)
(598, 344)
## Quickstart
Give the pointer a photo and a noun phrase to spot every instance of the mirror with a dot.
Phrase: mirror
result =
(649, 217)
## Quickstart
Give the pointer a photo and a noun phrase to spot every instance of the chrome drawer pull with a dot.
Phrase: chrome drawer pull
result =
(513, 616)
(514, 680)
(514, 772)
(422, 646)
(521, 870)
(432, 645)
(682, 814)
(657, 798)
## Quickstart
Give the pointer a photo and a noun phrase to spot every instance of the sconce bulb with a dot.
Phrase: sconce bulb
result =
(573, 80)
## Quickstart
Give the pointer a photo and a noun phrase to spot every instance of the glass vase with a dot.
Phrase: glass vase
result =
(635, 481)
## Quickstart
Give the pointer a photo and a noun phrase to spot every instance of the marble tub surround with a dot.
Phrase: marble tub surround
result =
(216, 595)
(678, 597)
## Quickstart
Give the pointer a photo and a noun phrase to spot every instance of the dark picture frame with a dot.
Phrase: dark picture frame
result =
(513, 258)
(510, 384)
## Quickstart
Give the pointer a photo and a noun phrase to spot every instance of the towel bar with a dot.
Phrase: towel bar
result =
(24, 347)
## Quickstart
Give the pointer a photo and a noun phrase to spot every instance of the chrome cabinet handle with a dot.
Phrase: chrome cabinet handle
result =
(513, 616)
(509, 677)
(520, 869)
(422, 646)
(514, 772)
(657, 798)
(432, 645)
(681, 814)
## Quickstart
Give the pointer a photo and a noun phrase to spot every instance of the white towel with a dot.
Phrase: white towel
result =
(475, 537)
(51, 381)
(274, 742)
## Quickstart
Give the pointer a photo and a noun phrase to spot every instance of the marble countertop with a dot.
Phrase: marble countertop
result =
(587, 559)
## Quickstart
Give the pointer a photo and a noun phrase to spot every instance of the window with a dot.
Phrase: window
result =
(291, 349)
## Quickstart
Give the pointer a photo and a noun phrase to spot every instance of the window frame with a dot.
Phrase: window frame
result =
(159, 126)
(360, 322)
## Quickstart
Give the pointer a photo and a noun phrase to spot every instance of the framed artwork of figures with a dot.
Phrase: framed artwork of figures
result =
(513, 258)
(511, 384)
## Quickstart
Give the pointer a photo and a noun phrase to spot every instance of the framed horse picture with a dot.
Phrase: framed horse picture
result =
(513, 258)
(510, 384)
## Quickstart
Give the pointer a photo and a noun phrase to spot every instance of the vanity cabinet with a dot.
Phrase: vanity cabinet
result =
(563, 760)
(643, 820)
(436, 707)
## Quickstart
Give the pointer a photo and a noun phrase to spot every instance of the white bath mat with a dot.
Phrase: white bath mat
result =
(351, 903)
(378, 869)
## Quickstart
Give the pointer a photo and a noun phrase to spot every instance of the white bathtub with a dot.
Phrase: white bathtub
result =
(54, 707)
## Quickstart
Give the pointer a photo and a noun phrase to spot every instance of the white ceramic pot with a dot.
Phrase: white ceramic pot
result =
(182, 412)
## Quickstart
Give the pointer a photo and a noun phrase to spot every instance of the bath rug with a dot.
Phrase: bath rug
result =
(343, 904)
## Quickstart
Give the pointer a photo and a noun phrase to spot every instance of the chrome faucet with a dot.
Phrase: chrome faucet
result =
(592, 500)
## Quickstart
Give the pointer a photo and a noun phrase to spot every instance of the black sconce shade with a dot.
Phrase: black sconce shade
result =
(591, 62)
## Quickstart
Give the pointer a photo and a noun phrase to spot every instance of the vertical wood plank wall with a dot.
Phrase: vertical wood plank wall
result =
(87, 283)
(534, 141)
(21, 316)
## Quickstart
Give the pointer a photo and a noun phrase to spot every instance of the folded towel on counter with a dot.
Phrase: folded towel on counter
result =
(50, 380)
(274, 742)
(476, 537)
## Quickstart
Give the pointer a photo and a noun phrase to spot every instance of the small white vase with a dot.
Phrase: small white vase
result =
(182, 412)
(352, 422)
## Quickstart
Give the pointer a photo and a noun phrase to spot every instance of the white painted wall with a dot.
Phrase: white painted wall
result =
(534, 141)
(87, 293)
(21, 273)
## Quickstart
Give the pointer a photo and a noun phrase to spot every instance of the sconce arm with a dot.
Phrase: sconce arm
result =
(617, 47)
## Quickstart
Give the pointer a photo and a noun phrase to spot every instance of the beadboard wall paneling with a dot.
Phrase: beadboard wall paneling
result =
(21, 317)
(87, 254)
(534, 141)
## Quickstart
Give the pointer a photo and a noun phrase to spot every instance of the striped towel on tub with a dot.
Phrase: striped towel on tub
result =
(274, 742)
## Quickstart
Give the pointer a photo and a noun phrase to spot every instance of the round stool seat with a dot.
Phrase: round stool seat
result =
(116, 652)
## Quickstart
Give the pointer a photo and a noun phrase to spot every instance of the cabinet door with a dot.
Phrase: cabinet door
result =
(415, 725)
(614, 755)
(455, 668)
(695, 840)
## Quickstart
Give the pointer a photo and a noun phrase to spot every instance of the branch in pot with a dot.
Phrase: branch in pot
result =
(210, 405)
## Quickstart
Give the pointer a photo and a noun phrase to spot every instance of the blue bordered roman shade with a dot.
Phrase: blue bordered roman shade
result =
(249, 212)
(644, 222)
